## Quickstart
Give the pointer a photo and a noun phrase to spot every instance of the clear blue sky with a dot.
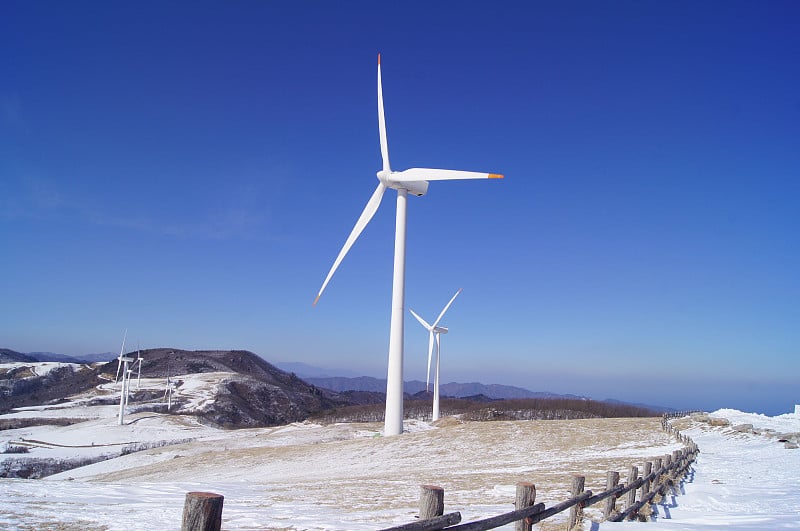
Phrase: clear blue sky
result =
(189, 171)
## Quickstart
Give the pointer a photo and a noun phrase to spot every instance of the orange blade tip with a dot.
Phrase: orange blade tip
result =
(495, 176)
(379, 57)
(315, 301)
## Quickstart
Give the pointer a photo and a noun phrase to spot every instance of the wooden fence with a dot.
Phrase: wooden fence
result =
(203, 510)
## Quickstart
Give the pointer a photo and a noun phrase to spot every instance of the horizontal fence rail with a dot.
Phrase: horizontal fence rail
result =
(658, 477)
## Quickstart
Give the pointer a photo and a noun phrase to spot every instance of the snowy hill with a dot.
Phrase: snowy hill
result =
(247, 392)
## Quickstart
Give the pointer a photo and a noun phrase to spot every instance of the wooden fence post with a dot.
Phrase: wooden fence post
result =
(202, 511)
(646, 510)
(633, 475)
(576, 511)
(431, 502)
(648, 468)
(612, 480)
(657, 480)
(526, 496)
(677, 462)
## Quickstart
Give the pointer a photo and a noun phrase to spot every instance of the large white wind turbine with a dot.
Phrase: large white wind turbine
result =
(434, 331)
(414, 180)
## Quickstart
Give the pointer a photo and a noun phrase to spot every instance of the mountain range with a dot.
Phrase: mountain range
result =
(10, 356)
(319, 388)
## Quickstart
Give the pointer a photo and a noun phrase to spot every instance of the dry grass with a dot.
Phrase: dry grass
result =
(477, 463)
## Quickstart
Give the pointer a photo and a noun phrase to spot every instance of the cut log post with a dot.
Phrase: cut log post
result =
(202, 511)
(648, 468)
(646, 510)
(431, 501)
(677, 461)
(666, 478)
(576, 511)
(526, 497)
(657, 480)
(630, 496)
(612, 480)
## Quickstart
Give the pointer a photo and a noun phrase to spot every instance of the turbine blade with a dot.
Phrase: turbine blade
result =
(446, 307)
(369, 211)
(420, 319)
(382, 122)
(430, 355)
(432, 174)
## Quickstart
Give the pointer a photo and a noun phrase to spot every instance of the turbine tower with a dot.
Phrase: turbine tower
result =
(434, 331)
(414, 180)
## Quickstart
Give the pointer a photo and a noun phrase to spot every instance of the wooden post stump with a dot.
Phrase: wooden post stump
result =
(576, 511)
(526, 496)
(612, 480)
(202, 511)
(431, 501)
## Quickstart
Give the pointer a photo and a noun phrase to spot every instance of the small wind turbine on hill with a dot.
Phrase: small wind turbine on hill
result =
(139, 360)
(414, 180)
(434, 331)
(170, 388)
(123, 363)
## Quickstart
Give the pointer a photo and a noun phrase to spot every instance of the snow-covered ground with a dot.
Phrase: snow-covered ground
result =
(346, 476)
(743, 479)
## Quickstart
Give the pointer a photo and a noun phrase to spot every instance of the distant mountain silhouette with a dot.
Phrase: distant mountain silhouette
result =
(50, 356)
(308, 371)
(11, 356)
(659, 409)
(457, 390)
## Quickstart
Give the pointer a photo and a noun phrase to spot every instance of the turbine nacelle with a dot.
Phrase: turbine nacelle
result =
(395, 181)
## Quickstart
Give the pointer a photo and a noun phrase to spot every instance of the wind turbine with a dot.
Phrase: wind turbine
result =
(119, 358)
(168, 392)
(434, 331)
(124, 362)
(414, 180)
(170, 387)
(139, 360)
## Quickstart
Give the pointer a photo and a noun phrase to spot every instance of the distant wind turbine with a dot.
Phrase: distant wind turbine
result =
(119, 359)
(170, 386)
(139, 360)
(434, 331)
(414, 180)
(123, 365)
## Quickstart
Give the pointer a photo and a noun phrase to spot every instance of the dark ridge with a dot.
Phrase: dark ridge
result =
(10, 356)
